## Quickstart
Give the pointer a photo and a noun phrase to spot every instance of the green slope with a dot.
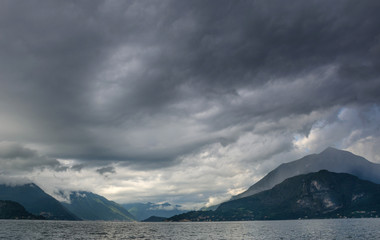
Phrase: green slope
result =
(36, 201)
(90, 206)
(14, 210)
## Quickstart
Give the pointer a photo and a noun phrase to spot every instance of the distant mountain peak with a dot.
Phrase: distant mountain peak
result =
(143, 211)
(331, 159)
(331, 150)
(321, 194)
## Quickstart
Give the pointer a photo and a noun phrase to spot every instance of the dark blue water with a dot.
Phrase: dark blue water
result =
(297, 229)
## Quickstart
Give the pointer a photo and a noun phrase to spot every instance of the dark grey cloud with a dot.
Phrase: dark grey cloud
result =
(78, 167)
(146, 82)
(12, 150)
(105, 170)
(15, 157)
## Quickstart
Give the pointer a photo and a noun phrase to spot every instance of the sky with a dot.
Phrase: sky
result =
(189, 102)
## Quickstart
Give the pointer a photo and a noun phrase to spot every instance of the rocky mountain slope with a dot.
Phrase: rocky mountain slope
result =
(36, 201)
(315, 195)
(331, 159)
(90, 206)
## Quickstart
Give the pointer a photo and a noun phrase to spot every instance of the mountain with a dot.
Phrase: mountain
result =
(155, 219)
(144, 210)
(36, 201)
(210, 208)
(331, 159)
(14, 210)
(315, 195)
(90, 206)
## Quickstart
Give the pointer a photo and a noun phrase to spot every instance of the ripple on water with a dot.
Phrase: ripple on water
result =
(261, 230)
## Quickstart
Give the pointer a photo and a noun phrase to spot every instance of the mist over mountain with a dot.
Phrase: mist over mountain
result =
(36, 201)
(90, 206)
(322, 194)
(143, 211)
(330, 159)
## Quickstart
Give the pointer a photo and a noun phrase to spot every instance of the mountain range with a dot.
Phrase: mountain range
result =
(90, 206)
(36, 201)
(322, 194)
(333, 183)
(331, 159)
(143, 211)
(80, 205)
(273, 196)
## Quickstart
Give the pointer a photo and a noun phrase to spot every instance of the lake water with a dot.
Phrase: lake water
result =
(293, 229)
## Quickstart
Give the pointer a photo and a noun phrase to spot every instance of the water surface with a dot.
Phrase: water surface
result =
(292, 229)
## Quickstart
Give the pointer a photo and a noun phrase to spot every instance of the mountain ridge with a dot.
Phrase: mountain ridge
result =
(143, 211)
(36, 201)
(14, 210)
(91, 206)
(330, 159)
(321, 194)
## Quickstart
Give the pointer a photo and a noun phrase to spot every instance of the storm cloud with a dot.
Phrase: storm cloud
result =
(156, 85)
(14, 156)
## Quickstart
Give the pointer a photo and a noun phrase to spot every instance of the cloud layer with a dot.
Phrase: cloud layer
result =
(133, 91)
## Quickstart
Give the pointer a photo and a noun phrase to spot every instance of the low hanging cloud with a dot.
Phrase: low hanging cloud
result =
(13, 181)
(356, 130)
